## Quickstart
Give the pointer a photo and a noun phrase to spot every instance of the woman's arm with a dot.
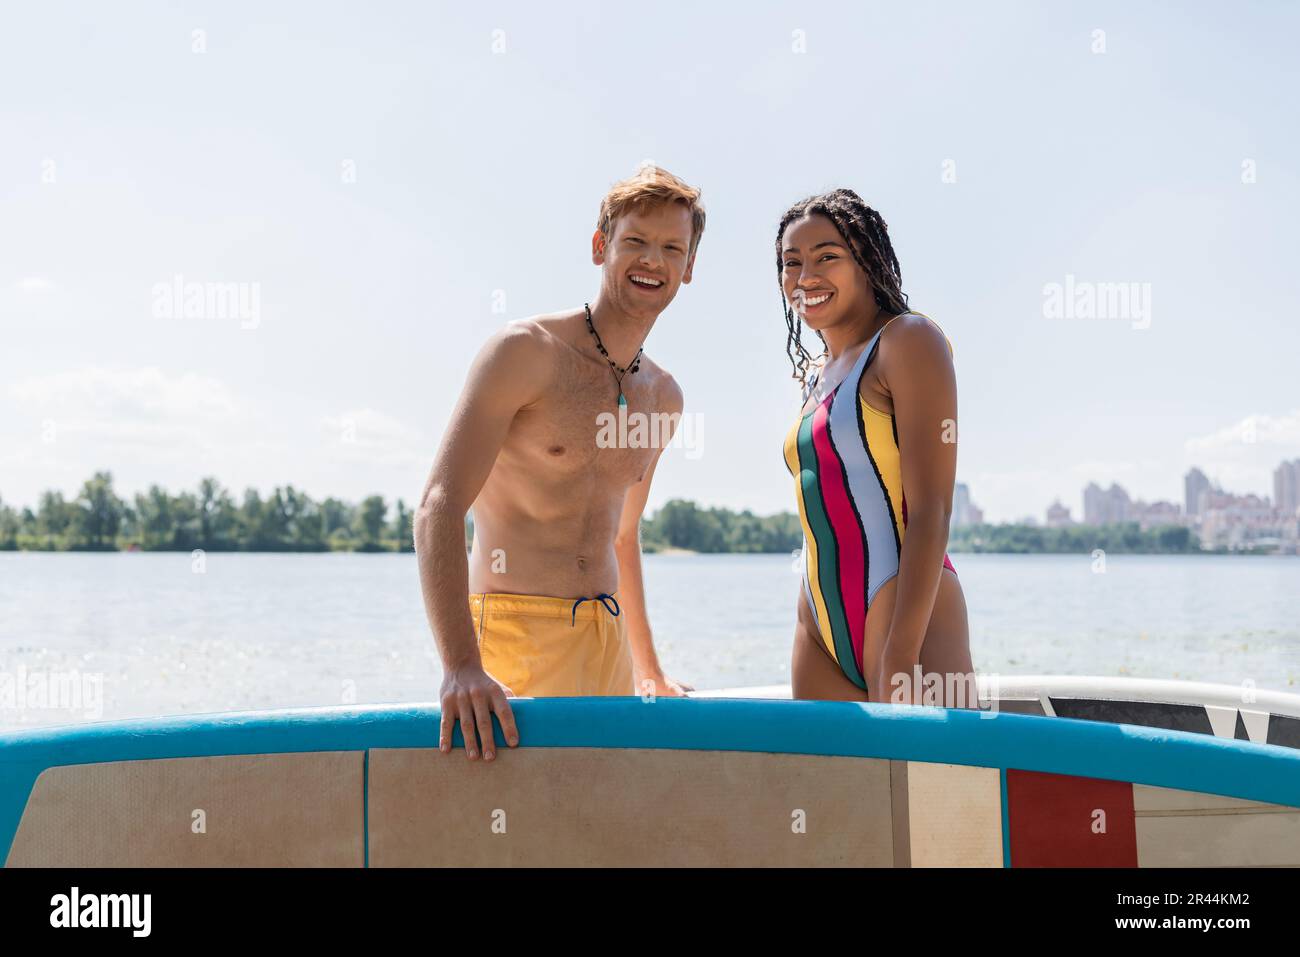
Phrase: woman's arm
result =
(918, 371)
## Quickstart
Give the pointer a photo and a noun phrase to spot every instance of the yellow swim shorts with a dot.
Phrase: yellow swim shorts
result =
(539, 647)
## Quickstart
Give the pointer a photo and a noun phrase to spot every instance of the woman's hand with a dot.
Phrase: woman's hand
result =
(896, 678)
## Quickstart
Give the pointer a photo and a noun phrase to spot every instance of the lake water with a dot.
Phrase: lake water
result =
(257, 631)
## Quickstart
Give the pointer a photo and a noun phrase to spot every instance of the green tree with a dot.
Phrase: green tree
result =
(154, 523)
(303, 520)
(288, 520)
(53, 519)
(250, 518)
(1175, 538)
(186, 524)
(8, 528)
(217, 515)
(745, 533)
(402, 530)
(337, 516)
(370, 522)
(99, 512)
(273, 531)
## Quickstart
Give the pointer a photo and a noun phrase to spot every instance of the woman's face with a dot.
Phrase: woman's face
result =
(822, 281)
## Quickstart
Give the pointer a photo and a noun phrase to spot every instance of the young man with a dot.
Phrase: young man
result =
(556, 604)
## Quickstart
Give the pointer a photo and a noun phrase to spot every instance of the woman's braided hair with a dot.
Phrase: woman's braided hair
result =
(867, 236)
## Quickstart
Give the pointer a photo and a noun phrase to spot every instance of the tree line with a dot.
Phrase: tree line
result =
(685, 525)
(1120, 538)
(98, 519)
(287, 519)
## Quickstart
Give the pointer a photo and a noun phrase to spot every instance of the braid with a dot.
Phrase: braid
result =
(867, 237)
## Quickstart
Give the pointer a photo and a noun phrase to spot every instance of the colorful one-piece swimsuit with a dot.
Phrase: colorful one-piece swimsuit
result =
(843, 455)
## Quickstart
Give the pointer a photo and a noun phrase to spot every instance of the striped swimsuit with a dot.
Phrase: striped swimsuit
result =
(844, 458)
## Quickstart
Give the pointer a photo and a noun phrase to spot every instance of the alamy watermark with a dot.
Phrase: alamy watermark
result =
(26, 691)
(1074, 299)
(77, 909)
(179, 299)
(950, 689)
(651, 430)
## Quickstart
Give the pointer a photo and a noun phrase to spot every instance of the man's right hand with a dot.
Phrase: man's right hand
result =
(471, 695)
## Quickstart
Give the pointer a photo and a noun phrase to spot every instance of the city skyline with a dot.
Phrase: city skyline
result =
(1219, 517)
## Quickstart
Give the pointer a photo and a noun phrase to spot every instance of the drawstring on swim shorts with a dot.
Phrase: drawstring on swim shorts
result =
(602, 598)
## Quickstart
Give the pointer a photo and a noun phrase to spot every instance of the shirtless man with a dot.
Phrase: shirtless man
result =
(556, 604)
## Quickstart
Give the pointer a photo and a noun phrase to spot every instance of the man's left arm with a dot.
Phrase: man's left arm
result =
(631, 584)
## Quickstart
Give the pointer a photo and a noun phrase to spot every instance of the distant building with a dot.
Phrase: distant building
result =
(1239, 522)
(1157, 513)
(1094, 502)
(1290, 529)
(1058, 516)
(960, 504)
(1286, 488)
(1105, 506)
(1220, 519)
(1194, 483)
(964, 511)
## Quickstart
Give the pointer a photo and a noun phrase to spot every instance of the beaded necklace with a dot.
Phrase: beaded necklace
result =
(617, 370)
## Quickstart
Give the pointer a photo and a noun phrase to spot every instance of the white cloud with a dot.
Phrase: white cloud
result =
(374, 437)
(1009, 495)
(62, 426)
(1243, 456)
(111, 399)
(1246, 435)
(141, 424)
(34, 284)
(146, 425)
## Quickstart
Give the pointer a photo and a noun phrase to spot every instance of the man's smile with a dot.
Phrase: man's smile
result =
(645, 281)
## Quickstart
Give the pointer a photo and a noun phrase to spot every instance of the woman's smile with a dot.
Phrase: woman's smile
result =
(813, 301)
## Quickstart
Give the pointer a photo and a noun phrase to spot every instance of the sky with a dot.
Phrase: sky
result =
(389, 183)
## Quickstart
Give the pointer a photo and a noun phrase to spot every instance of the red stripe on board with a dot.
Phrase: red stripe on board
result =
(1056, 820)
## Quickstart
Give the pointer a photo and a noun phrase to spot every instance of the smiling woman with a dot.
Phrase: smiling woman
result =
(870, 610)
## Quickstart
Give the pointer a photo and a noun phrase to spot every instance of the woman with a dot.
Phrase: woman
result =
(874, 455)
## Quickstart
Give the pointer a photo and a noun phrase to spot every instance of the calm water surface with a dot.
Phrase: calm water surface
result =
(275, 631)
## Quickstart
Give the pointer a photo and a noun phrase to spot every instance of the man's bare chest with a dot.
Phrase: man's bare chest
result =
(580, 427)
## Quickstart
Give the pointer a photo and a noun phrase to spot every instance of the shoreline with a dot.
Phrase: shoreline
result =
(670, 551)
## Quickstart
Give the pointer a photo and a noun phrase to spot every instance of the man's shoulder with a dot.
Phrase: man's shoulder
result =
(524, 332)
(519, 356)
(554, 330)
(521, 340)
(666, 387)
